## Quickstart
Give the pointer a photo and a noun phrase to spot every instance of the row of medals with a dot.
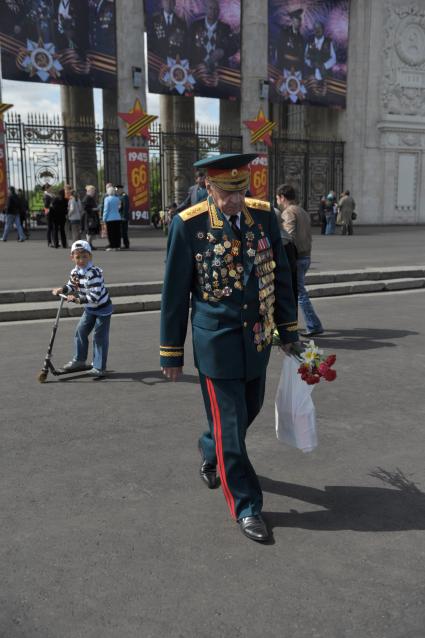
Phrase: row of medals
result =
(225, 274)
(264, 270)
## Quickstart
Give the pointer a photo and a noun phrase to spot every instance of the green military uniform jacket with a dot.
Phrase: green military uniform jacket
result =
(239, 290)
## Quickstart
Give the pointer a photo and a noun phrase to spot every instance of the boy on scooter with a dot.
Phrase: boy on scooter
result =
(86, 287)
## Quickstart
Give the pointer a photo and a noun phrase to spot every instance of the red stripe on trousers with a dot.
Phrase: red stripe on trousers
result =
(219, 447)
(218, 442)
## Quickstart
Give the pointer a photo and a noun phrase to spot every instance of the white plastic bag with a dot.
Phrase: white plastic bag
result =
(294, 408)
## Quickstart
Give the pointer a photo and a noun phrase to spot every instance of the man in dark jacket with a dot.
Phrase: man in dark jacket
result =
(168, 33)
(125, 214)
(320, 53)
(213, 41)
(196, 193)
(58, 211)
(47, 204)
(13, 210)
(291, 47)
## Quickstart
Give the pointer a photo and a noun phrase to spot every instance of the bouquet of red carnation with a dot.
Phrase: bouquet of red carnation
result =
(315, 366)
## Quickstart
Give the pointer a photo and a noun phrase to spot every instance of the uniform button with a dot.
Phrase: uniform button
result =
(245, 306)
(245, 324)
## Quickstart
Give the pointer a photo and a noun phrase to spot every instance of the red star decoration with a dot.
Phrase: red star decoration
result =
(261, 128)
(138, 122)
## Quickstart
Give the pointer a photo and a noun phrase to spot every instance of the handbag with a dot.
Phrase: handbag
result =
(295, 414)
(353, 215)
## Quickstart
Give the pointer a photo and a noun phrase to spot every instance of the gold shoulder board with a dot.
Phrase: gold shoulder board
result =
(194, 211)
(257, 203)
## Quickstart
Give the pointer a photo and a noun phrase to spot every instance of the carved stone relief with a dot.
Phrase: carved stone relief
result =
(403, 91)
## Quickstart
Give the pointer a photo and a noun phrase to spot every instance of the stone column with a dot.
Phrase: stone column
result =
(254, 63)
(166, 118)
(111, 159)
(230, 117)
(186, 145)
(130, 18)
(80, 140)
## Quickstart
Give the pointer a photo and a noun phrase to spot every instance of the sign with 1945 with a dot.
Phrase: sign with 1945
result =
(138, 184)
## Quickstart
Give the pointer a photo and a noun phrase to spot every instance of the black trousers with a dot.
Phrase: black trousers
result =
(59, 227)
(50, 227)
(124, 233)
(114, 233)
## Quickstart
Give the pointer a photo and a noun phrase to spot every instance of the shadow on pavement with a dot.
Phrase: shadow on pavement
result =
(361, 509)
(149, 377)
(361, 338)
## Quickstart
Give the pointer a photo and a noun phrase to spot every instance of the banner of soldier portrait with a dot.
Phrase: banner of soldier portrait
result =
(59, 41)
(194, 47)
(308, 45)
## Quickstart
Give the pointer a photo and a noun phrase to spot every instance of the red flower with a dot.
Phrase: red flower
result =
(323, 369)
(330, 375)
(330, 360)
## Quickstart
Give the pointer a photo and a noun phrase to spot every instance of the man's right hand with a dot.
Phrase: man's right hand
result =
(172, 374)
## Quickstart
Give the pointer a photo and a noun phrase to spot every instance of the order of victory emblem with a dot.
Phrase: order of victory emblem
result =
(176, 74)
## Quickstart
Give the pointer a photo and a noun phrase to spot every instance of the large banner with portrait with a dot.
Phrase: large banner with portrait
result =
(308, 44)
(194, 47)
(59, 41)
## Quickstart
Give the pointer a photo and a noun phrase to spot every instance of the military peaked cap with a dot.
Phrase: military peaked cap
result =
(229, 171)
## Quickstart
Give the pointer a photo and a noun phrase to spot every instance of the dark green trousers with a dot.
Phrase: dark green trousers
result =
(231, 406)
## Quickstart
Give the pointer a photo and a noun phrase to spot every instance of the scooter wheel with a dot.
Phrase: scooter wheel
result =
(42, 376)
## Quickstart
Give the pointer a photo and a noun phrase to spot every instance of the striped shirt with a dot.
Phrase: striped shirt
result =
(87, 284)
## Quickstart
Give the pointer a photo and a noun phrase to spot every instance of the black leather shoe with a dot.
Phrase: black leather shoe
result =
(254, 528)
(208, 471)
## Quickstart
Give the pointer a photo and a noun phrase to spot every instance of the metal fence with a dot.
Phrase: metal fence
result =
(43, 150)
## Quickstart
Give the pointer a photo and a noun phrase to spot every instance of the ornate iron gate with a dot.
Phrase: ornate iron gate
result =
(171, 158)
(312, 167)
(43, 150)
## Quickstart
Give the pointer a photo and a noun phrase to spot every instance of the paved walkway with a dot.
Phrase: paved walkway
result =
(33, 265)
(108, 532)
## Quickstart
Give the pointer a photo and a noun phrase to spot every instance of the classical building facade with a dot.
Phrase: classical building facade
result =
(384, 125)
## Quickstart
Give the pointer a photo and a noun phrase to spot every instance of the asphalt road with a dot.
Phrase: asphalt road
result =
(33, 265)
(107, 531)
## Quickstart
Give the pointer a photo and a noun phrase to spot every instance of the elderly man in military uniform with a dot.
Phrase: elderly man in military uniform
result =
(212, 40)
(225, 259)
(320, 53)
(168, 33)
(291, 47)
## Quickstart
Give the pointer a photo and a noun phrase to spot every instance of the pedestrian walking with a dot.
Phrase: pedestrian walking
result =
(48, 196)
(225, 259)
(59, 211)
(346, 212)
(196, 193)
(13, 215)
(24, 212)
(86, 287)
(74, 215)
(322, 215)
(297, 223)
(125, 214)
(112, 218)
(330, 213)
(90, 223)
